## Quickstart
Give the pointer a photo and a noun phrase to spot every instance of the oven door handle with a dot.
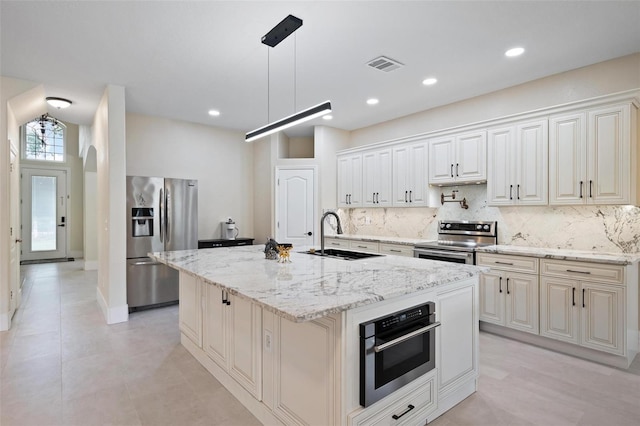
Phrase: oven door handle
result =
(463, 255)
(406, 337)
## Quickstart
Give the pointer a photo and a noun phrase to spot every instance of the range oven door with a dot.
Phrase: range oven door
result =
(445, 255)
(391, 360)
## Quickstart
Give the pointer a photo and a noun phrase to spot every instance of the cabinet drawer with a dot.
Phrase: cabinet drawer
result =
(508, 263)
(335, 242)
(422, 398)
(366, 246)
(585, 271)
(396, 249)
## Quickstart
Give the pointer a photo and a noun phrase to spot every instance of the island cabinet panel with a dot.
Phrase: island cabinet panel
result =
(190, 308)
(306, 371)
(232, 337)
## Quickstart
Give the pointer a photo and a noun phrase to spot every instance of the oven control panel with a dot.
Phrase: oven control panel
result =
(397, 319)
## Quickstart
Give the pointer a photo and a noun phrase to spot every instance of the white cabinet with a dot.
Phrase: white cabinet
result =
(396, 249)
(190, 308)
(376, 178)
(410, 175)
(517, 164)
(509, 293)
(350, 180)
(460, 158)
(592, 158)
(232, 330)
(583, 303)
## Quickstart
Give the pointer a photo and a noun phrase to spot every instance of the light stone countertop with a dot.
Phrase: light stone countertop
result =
(311, 286)
(379, 239)
(561, 254)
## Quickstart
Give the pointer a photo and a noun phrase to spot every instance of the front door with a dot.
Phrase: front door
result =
(295, 212)
(44, 214)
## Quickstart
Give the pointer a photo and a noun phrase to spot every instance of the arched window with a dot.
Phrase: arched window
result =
(44, 139)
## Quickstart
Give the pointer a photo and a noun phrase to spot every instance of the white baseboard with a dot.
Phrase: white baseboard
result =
(112, 315)
(90, 265)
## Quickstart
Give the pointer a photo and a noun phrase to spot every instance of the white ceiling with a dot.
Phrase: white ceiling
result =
(179, 59)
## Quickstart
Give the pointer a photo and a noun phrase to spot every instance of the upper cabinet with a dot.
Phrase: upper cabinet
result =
(592, 157)
(410, 175)
(376, 178)
(517, 164)
(350, 180)
(458, 158)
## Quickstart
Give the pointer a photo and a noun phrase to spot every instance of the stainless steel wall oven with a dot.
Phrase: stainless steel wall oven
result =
(396, 349)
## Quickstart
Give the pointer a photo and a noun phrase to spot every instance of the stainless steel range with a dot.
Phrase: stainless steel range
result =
(458, 240)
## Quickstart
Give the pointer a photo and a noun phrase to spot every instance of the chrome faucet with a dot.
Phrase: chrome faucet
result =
(339, 230)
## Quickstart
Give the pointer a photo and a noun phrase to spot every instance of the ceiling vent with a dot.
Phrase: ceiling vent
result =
(385, 64)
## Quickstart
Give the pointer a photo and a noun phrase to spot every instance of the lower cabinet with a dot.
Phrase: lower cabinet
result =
(232, 329)
(190, 308)
(508, 295)
(370, 246)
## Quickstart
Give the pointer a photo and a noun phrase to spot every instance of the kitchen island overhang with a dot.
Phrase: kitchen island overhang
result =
(265, 328)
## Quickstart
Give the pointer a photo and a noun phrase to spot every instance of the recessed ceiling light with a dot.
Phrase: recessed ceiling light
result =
(372, 101)
(214, 112)
(516, 51)
(327, 117)
(58, 102)
(429, 81)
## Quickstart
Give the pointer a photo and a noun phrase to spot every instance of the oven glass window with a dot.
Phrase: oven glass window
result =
(397, 360)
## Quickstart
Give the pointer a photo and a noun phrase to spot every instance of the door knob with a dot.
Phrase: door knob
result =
(61, 225)
(309, 233)
(18, 240)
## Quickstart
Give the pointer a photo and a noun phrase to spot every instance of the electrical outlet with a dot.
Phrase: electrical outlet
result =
(367, 220)
(268, 338)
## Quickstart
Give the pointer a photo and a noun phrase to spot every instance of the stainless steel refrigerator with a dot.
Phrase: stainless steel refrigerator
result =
(162, 215)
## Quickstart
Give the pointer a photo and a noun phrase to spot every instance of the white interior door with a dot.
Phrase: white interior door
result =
(14, 247)
(295, 211)
(44, 214)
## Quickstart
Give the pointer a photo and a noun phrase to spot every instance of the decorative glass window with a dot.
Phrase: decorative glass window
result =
(44, 139)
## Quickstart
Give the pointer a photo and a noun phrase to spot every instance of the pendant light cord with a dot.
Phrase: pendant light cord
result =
(295, 75)
(268, 86)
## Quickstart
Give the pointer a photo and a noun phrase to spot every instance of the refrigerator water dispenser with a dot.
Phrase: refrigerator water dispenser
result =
(142, 222)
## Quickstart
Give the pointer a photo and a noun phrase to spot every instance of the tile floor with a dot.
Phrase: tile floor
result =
(61, 364)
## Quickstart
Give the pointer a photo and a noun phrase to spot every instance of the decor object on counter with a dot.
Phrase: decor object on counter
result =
(271, 249)
(285, 28)
(283, 253)
(463, 202)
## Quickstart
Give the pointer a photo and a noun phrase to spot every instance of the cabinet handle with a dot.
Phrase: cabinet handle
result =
(405, 195)
(409, 408)
(579, 272)
(583, 304)
(581, 183)
(508, 286)
(349, 198)
(224, 300)
(451, 169)
(364, 247)
(377, 198)
(511, 192)
(503, 263)
(518, 192)
(395, 251)
(573, 297)
(500, 286)
(457, 165)
(590, 189)
(410, 195)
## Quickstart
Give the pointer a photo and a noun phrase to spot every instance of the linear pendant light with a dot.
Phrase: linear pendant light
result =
(290, 121)
(284, 29)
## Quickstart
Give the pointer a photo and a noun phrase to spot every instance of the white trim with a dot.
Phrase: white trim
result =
(112, 315)
(90, 265)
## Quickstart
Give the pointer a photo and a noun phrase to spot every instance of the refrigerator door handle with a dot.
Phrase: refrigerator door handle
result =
(161, 212)
(147, 263)
(168, 215)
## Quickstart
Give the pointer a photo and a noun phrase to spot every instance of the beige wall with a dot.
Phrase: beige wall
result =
(219, 159)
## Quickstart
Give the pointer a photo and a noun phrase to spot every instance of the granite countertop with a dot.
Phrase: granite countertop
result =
(311, 286)
(379, 239)
(561, 254)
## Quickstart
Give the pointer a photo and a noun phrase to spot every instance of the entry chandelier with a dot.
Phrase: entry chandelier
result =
(45, 121)
(285, 28)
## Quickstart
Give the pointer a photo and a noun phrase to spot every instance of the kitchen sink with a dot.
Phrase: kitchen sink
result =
(343, 254)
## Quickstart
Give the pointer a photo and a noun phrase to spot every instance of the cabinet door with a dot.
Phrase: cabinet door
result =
(384, 179)
(417, 176)
(568, 159)
(355, 195)
(531, 165)
(344, 181)
(500, 166)
(215, 325)
(559, 309)
(441, 160)
(471, 157)
(603, 323)
(521, 309)
(245, 351)
(492, 297)
(190, 308)
(401, 182)
(609, 156)
(370, 178)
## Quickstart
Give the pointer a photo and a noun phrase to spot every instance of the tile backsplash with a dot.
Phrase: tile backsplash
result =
(599, 228)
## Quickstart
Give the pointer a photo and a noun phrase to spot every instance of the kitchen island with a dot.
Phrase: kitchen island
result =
(284, 337)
